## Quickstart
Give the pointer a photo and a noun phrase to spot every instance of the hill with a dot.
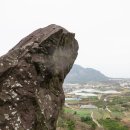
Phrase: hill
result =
(78, 74)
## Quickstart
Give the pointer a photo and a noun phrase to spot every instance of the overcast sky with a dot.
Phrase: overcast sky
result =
(102, 28)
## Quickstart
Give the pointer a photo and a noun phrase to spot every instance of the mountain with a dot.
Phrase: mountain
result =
(78, 74)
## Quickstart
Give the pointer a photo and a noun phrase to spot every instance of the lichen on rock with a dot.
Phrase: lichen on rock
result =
(31, 78)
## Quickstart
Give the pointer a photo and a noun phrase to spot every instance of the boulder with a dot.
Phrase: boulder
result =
(31, 78)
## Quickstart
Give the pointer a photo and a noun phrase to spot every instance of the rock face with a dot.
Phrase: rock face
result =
(31, 78)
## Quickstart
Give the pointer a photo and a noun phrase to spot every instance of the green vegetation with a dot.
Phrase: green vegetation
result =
(70, 124)
(89, 121)
(110, 124)
(79, 112)
(98, 113)
(112, 112)
(86, 119)
(66, 123)
(85, 116)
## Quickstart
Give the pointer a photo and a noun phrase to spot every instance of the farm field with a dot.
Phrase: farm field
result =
(106, 111)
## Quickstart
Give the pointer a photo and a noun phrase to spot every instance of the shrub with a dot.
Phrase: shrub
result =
(93, 126)
(70, 124)
(89, 121)
(75, 113)
(86, 119)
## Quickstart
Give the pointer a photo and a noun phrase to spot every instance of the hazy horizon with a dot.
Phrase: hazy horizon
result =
(102, 29)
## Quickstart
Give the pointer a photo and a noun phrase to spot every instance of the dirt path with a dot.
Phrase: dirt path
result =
(95, 121)
(108, 109)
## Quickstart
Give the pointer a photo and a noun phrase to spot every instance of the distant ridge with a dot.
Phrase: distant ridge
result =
(78, 74)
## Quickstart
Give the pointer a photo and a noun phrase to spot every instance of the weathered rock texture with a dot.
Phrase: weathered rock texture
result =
(31, 78)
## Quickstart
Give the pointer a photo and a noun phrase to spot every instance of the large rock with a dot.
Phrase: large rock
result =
(31, 78)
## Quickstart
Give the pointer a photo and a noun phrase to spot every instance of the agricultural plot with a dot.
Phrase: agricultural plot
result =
(109, 109)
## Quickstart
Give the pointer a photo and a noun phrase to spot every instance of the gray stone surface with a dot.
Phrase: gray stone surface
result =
(31, 78)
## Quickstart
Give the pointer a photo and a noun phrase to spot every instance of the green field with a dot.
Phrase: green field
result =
(79, 112)
(110, 124)
(109, 114)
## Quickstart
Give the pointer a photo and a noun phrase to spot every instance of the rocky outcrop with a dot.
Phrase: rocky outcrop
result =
(31, 78)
